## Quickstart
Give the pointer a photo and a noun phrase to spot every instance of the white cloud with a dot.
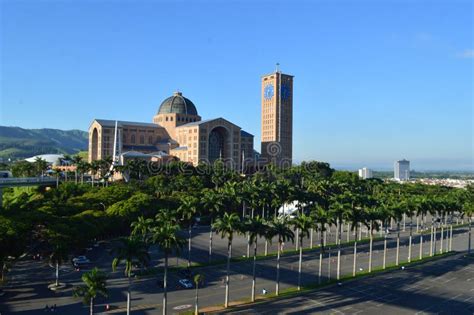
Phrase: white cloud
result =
(468, 53)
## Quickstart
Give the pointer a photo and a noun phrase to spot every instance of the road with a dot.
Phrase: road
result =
(27, 292)
(443, 286)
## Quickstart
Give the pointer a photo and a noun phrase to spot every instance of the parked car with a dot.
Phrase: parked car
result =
(185, 283)
(80, 261)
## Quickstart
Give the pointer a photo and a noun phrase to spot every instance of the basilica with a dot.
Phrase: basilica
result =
(178, 132)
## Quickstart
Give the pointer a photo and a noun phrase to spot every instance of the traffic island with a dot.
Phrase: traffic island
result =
(57, 287)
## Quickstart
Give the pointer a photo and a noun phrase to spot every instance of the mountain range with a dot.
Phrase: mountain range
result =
(16, 142)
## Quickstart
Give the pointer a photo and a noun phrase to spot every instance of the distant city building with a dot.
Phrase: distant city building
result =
(402, 170)
(365, 173)
(277, 118)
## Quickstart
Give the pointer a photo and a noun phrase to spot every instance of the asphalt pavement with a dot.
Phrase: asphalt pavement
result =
(27, 291)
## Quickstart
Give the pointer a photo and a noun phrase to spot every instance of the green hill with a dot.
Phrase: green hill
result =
(16, 142)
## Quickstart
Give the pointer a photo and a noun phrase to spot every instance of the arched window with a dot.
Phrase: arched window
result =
(142, 139)
(166, 118)
(132, 138)
(150, 139)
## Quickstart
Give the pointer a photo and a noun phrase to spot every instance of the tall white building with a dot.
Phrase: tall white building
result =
(402, 170)
(365, 173)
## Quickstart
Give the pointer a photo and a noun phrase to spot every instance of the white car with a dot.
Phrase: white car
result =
(80, 260)
(185, 283)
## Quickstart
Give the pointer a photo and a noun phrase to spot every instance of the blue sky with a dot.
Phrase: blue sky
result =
(375, 81)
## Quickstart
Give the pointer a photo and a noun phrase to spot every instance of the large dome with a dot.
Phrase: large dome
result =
(177, 104)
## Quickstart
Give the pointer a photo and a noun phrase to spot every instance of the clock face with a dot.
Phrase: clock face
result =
(285, 92)
(268, 91)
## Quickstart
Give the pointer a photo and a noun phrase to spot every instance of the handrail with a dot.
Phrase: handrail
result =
(27, 180)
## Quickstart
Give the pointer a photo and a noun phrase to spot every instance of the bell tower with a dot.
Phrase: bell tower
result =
(277, 118)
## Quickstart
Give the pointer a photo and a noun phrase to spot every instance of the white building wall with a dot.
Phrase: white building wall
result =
(402, 170)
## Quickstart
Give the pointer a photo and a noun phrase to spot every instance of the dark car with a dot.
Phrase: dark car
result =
(185, 283)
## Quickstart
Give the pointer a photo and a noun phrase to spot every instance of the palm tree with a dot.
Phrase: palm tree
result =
(265, 196)
(94, 168)
(57, 173)
(198, 279)
(227, 225)
(322, 218)
(57, 257)
(165, 235)
(188, 209)
(302, 223)
(95, 284)
(279, 227)
(373, 215)
(423, 206)
(356, 216)
(468, 210)
(386, 214)
(433, 227)
(410, 208)
(397, 212)
(340, 207)
(76, 160)
(142, 227)
(254, 227)
(40, 166)
(212, 201)
(81, 168)
(128, 251)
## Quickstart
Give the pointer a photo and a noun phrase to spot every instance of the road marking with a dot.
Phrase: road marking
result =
(182, 307)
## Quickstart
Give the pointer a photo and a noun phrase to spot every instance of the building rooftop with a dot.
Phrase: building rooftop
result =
(49, 158)
(177, 104)
(244, 133)
(197, 123)
(122, 123)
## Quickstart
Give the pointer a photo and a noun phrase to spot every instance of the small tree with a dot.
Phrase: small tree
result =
(127, 251)
(165, 235)
(57, 257)
(302, 223)
(95, 284)
(198, 279)
(227, 225)
(279, 227)
(255, 228)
